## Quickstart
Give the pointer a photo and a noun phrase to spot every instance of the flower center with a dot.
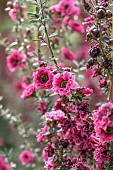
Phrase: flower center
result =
(63, 84)
(26, 156)
(44, 78)
(15, 61)
(109, 130)
(66, 7)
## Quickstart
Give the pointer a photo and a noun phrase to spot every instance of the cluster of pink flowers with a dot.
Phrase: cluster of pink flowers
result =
(69, 125)
(14, 10)
(69, 13)
(61, 83)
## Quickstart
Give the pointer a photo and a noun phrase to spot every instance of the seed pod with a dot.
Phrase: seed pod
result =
(101, 13)
(91, 62)
(96, 33)
(107, 63)
(94, 52)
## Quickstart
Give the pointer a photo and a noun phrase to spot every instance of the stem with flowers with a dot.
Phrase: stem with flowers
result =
(77, 134)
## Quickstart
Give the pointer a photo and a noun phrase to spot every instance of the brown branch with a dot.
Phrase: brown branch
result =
(110, 92)
(47, 36)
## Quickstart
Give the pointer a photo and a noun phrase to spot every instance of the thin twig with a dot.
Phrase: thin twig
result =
(47, 36)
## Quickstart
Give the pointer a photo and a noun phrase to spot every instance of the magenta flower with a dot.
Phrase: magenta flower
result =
(66, 53)
(42, 107)
(26, 157)
(41, 136)
(16, 60)
(101, 153)
(3, 164)
(28, 91)
(67, 7)
(89, 20)
(103, 121)
(87, 91)
(13, 15)
(43, 78)
(55, 115)
(49, 163)
(76, 26)
(64, 83)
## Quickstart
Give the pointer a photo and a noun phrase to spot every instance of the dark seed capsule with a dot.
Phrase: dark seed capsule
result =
(91, 62)
(107, 64)
(101, 13)
(110, 42)
(94, 52)
(108, 14)
(95, 32)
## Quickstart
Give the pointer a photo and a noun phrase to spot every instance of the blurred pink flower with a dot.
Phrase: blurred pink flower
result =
(28, 91)
(26, 157)
(76, 26)
(3, 164)
(68, 54)
(16, 60)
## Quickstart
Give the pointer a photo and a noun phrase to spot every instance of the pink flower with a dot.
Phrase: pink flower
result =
(41, 136)
(102, 154)
(18, 85)
(89, 20)
(49, 163)
(55, 115)
(55, 8)
(103, 121)
(26, 157)
(102, 82)
(15, 60)
(67, 7)
(28, 91)
(48, 152)
(66, 53)
(25, 81)
(9, 3)
(65, 21)
(87, 91)
(42, 107)
(3, 164)
(64, 83)
(43, 78)
(76, 26)
(13, 14)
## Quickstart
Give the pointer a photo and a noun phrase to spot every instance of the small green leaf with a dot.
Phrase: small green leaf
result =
(37, 10)
(30, 13)
(46, 19)
(55, 158)
(53, 34)
(2, 153)
(106, 165)
(10, 152)
(47, 134)
(34, 20)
